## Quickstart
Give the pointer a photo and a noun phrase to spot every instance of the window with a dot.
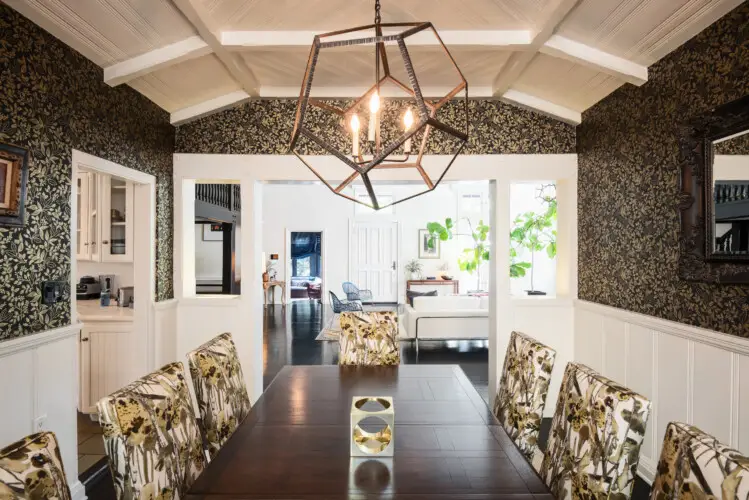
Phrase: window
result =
(533, 238)
(302, 266)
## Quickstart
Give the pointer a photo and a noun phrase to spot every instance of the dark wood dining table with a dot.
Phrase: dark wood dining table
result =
(295, 441)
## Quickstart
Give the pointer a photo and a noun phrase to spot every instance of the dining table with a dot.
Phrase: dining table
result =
(295, 442)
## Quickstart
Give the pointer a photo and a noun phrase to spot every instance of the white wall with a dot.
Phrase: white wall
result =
(731, 168)
(311, 207)
(691, 375)
(208, 256)
(39, 391)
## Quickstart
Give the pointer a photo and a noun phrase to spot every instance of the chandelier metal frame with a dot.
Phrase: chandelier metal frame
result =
(426, 110)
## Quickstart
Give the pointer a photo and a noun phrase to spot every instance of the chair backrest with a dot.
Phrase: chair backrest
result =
(219, 390)
(696, 465)
(521, 398)
(351, 290)
(151, 436)
(32, 468)
(369, 338)
(335, 302)
(595, 437)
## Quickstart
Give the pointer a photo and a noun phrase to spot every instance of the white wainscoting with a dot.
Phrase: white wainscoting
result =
(39, 391)
(690, 374)
(548, 320)
(165, 332)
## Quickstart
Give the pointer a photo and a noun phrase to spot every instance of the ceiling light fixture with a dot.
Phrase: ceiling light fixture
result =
(394, 124)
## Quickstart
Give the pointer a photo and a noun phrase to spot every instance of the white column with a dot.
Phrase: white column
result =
(250, 342)
(567, 238)
(500, 307)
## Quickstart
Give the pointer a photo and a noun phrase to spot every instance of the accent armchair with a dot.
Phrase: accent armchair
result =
(340, 306)
(354, 293)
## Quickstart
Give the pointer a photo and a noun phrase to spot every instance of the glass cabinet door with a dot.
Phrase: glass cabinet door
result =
(117, 221)
(93, 216)
(82, 246)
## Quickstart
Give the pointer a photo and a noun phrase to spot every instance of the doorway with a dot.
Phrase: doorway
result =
(113, 228)
(305, 265)
(374, 259)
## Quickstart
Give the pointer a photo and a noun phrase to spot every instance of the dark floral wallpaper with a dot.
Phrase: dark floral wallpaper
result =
(736, 146)
(264, 127)
(53, 100)
(628, 183)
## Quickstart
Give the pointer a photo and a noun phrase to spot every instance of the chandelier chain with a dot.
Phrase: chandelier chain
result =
(378, 17)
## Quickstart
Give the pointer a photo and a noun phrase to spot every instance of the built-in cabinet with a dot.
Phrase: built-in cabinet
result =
(104, 230)
(105, 343)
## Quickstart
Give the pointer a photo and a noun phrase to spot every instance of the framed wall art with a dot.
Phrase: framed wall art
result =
(14, 173)
(425, 251)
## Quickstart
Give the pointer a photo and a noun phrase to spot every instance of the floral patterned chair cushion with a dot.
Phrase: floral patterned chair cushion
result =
(32, 468)
(521, 398)
(219, 389)
(151, 436)
(595, 438)
(695, 465)
(369, 338)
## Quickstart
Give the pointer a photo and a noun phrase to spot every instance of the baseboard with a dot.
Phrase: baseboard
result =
(78, 491)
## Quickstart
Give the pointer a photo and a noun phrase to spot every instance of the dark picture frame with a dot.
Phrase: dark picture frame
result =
(697, 259)
(14, 170)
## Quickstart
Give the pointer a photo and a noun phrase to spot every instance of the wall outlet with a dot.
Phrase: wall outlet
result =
(40, 423)
(53, 292)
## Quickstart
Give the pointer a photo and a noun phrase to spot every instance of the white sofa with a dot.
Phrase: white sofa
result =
(449, 317)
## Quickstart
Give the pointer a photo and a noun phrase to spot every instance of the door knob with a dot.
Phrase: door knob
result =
(394, 266)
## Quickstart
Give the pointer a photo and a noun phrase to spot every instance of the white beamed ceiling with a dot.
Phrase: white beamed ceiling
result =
(192, 56)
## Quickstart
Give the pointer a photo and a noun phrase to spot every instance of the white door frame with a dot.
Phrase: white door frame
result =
(251, 170)
(399, 235)
(287, 261)
(144, 254)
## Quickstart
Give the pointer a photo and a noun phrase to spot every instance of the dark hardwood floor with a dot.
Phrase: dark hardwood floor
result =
(289, 339)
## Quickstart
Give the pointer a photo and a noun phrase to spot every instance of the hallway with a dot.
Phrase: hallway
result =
(289, 339)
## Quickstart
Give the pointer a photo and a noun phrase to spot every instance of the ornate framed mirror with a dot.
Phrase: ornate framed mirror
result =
(714, 198)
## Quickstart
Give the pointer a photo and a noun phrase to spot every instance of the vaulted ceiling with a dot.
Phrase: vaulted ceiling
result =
(194, 57)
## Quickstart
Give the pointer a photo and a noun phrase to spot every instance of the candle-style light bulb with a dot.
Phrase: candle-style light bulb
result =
(408, 121)
(355, 132)
(374, 107)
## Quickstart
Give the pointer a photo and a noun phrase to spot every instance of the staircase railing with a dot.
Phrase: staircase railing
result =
(223, 195)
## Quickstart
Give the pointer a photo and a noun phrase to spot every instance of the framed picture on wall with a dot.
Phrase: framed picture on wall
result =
(424, 251)
(14, 173)
(213, 232)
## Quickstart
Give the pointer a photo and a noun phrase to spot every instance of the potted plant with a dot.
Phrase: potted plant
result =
(414, 268)
(472, 258)
(533, 231)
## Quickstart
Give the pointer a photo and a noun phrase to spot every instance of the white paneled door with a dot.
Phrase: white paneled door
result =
(374, 259)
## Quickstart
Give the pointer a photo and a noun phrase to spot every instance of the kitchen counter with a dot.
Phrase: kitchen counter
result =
(90, 310)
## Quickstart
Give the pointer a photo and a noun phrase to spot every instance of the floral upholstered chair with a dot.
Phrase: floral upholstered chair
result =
(369, 338)
(595, 437)
(219, 389)
(521, 398)
(695, 465)
(151, 436)
(32, 468)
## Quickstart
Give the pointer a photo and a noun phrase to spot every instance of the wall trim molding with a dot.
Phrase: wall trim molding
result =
(166, 304)
(78, 491)
(35, 340)
(725, 341)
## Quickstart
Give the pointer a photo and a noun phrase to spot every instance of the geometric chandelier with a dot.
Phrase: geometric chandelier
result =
(390, 125)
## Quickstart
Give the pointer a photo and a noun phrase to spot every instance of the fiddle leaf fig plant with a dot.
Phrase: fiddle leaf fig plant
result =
(471, 258)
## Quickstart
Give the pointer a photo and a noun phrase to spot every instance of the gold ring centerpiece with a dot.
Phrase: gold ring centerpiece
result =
(368, 443)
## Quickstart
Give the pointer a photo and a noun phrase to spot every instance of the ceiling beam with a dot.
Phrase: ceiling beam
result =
(208, 107)
(591, 57)
(288, 92)
(184, 50)
(537, 104)
(196, 13)
(518, 61)
(511, 39)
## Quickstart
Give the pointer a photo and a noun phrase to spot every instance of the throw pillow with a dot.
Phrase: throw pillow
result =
(410, 294)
